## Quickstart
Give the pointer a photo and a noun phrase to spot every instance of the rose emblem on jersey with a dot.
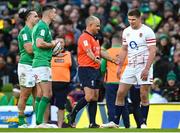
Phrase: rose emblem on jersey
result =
(140, 34)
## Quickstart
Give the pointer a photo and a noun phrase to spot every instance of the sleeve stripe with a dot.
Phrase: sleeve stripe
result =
(151, 42)
(150, 39)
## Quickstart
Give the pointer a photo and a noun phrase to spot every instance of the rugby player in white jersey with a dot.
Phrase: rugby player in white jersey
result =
(139, 44)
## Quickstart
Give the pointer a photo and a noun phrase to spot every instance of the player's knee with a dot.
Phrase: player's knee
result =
(120, 95)
(47, 94)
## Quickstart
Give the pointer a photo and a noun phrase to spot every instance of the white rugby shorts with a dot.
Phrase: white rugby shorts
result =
(132, 75)
(26, 75)
(42, 74)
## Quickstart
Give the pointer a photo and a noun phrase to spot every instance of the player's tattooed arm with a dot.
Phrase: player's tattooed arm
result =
(42, 44)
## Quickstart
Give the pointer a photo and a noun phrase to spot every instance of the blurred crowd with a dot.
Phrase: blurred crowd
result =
(163, 16)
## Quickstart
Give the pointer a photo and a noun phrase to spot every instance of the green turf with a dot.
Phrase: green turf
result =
(84, 130)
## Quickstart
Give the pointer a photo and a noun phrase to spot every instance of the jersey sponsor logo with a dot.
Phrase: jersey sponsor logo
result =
(42, 32)
(24, 36)
(85, 42)
(133, 45)
(59, 60)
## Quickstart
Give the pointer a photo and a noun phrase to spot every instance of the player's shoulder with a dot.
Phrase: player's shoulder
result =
(24, 30)
(145, 28)
(40, 25)
(84, 36)
(127, 29)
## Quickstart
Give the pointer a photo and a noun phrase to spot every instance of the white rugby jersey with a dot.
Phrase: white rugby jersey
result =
(138, 41)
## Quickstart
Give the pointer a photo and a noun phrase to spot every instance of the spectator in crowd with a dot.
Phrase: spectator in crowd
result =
(67, 11)
(164, 45)
(159, 70)
(3, 97)
(171, 90)
(156, 92)
(92, 10)
(60, 31)
(13, 49)
(150, 19)
(6, 72)
(176, 64)
(3, 48)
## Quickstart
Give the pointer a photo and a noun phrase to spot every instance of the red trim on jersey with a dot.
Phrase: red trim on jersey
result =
(150, 39)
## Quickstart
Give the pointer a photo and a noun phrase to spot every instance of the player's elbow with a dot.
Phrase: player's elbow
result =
(29, 51)
(39, 43)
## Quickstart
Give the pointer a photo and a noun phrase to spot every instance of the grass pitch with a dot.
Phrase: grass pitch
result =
(102, 130)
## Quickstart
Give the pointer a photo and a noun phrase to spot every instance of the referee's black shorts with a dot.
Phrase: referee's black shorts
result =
(89, 77)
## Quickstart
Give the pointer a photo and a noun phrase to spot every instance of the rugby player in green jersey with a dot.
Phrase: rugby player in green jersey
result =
(42, 48)
(25, 72)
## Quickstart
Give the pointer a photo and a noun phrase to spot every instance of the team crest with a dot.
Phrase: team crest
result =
(140, 35)
(128, 34)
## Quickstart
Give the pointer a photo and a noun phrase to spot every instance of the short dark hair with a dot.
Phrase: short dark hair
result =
(24, 13)
(68, 22)
(48, 7)
(134, 12)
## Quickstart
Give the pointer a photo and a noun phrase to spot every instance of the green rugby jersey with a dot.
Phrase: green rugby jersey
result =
(23, 38)
(42, 56)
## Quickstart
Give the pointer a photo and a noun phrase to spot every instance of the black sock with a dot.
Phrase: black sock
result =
(145, 110)
(137, 115)
(92, 109)
(125, 116)
(118, 112)
(80, 104)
